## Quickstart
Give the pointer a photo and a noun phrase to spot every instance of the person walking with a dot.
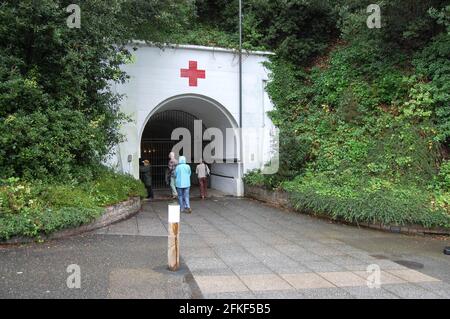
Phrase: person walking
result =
(183, 184)
(171, 172)
(202, 171)
(146, 177)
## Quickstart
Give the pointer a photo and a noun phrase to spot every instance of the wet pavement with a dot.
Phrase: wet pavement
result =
(231, 248)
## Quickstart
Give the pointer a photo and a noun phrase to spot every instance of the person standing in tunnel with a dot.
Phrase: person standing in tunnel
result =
(183, 184)
(146, 177)
(202, 171)
(171, 172)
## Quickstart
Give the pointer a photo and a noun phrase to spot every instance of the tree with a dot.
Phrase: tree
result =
(58, 114)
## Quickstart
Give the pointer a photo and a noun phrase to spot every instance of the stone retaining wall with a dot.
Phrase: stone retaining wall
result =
(112, 215)
(281, 199)
(276, 198)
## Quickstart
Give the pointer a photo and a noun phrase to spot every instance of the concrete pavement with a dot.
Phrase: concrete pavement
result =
(235, 248)
(239, 248)
(110, 267)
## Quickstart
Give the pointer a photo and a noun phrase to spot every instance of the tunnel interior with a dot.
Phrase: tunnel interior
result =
(156, 143)
(183, 112)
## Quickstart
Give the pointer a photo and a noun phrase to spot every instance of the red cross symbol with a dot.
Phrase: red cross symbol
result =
(192, 73)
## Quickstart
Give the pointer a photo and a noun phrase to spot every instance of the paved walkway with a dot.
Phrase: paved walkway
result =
(109, 267)
(238, 248)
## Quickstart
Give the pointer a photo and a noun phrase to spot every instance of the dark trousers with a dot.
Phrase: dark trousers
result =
(149, 191)
(203, 186)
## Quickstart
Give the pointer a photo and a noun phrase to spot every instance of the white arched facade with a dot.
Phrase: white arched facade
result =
(164, 79)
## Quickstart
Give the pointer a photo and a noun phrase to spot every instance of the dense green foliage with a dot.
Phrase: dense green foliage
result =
(36, 208)
(296, 30)
(365, 124)
(59, 117)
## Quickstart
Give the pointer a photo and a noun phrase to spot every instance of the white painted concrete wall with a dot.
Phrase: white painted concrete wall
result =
(155, 84)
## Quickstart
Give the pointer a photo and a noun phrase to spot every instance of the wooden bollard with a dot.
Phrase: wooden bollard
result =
(173, 252)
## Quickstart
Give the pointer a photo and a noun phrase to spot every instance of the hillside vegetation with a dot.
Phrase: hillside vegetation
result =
(364, 114)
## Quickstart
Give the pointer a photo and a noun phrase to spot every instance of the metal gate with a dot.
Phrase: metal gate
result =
(156, 143)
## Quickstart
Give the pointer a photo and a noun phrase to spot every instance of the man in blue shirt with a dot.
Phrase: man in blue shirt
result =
(183, 183)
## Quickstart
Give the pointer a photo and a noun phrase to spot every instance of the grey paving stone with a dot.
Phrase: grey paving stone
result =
(220, 284)
(195, 263)
(212, 272)
(348, 249)
(307, 256)
(246, 240)
(205, 252)
(322, 266)
(345, 260)
(275, 241)
(412, 276)
(344, 279)
(386, 278)
(250, 268)
(364, 257)
(185, 229)
(231, 250)
(327, 252)
(307, 281)
(314, 246)
(231, 295)
(330, 241)
(297, 269)
(388, 264)
(220, 244)
(440, 288)
(262, 282)
(278, 294)
(218, 240)
(362, 267)
(326, 293)
(279, 263)
(237, 259)
(410, 291)
(265, 252)
(290, 249)
(370, 293)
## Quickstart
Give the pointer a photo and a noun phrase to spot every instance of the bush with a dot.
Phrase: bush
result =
(365, 127)
(434, 65)
(35, 208)
(255, 178)
(373, 200)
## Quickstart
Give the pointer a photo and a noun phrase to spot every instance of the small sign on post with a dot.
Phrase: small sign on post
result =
(173, 252)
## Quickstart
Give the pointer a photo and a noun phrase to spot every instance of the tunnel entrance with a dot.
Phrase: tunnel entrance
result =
(207, 123)
(156, 142)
